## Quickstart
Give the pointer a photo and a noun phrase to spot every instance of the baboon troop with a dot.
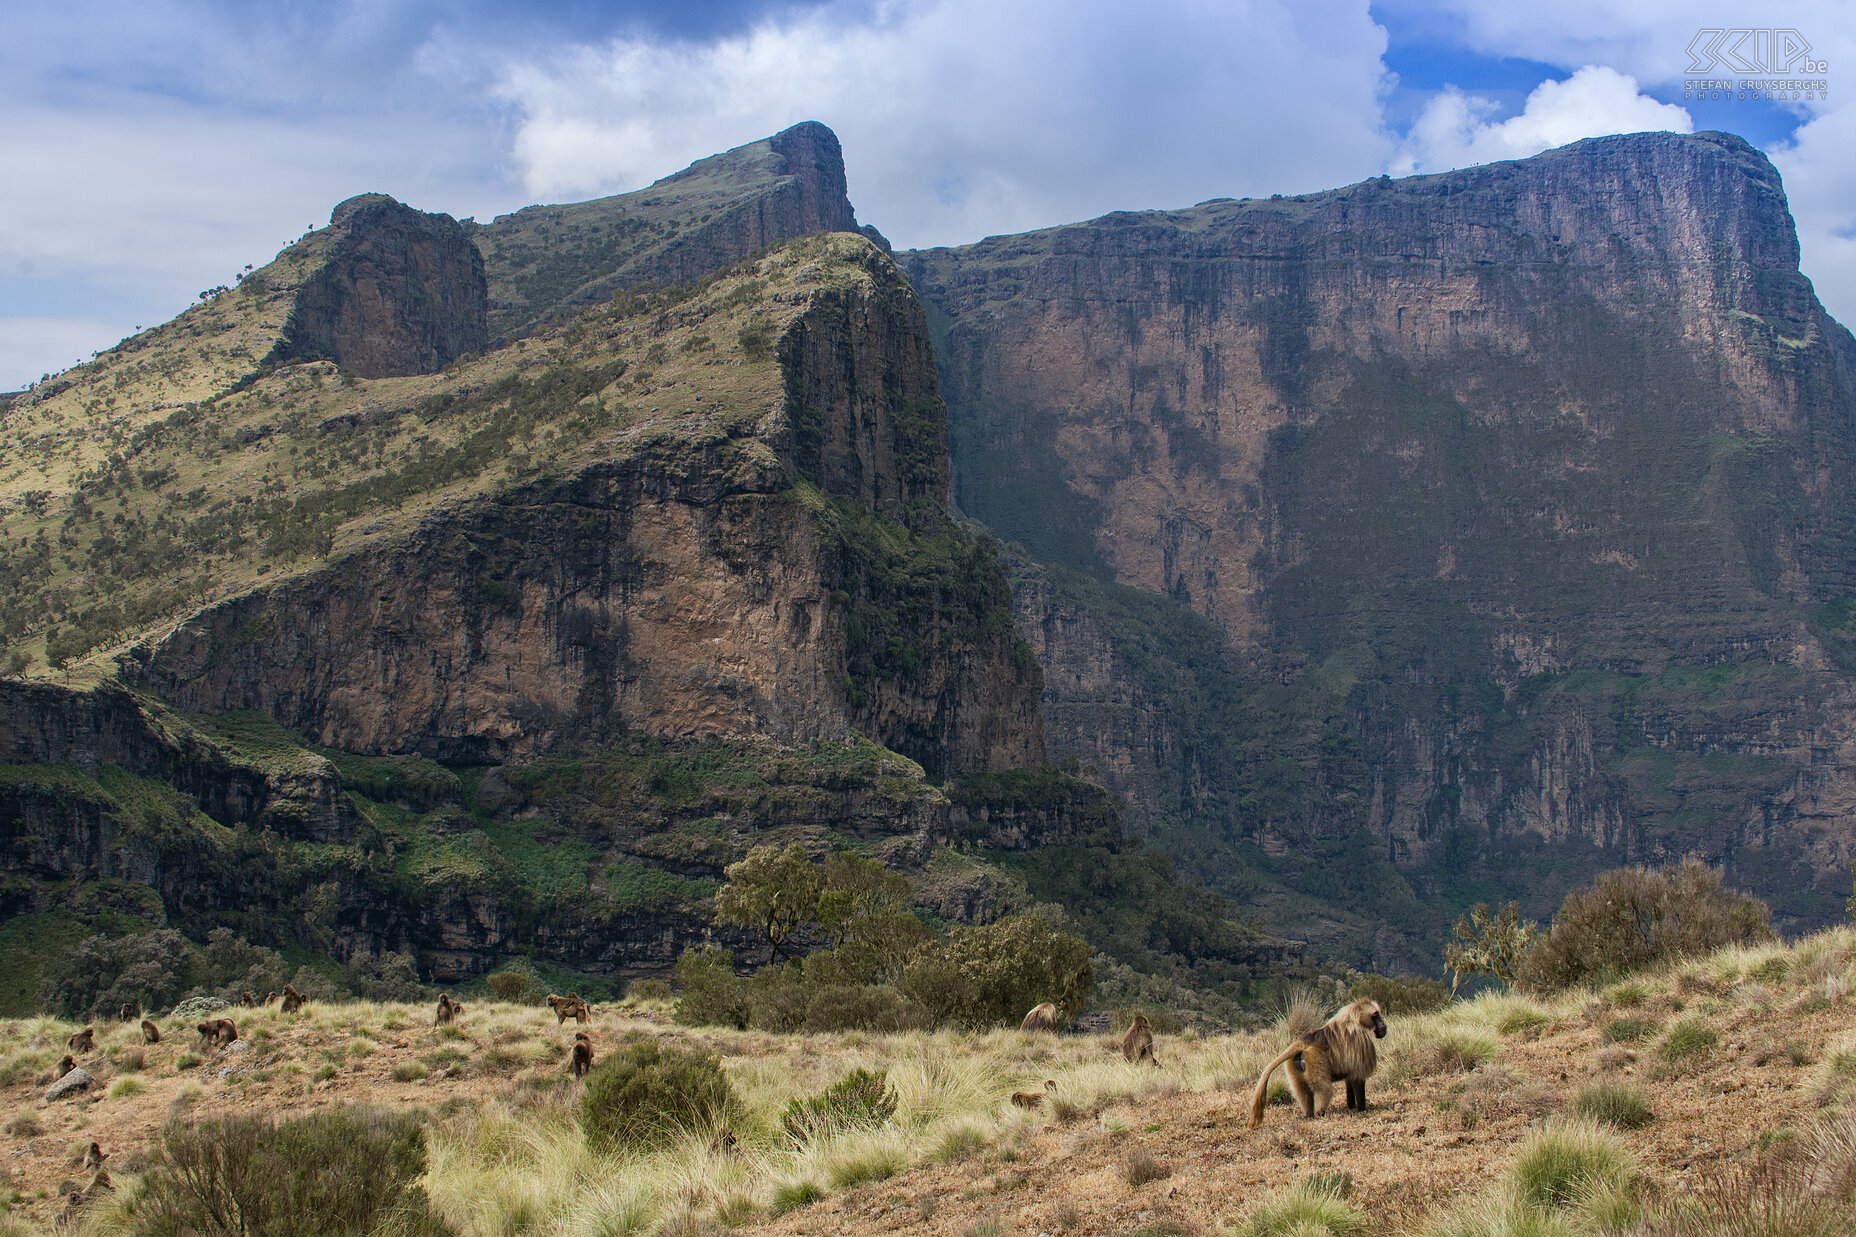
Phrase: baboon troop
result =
(583, 1054)
(65, 1066)
(293, 1000)
(448, 1009)
(1138, 1044)
(151, 1034)
(1041, 1018)
(84, 1041)
(569, 1006)
(1339, 1050)
(1034, 1099)
(215, 1032)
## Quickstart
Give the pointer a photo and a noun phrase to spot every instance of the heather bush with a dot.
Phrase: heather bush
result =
(345, 1173)
(644, 1093)
(861, 1098)
(1633, 918)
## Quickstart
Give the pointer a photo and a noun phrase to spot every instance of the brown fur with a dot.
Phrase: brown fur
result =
(1041, 1018)
(247, 1001)
(217, 1032)
(84, 1041)
(447, 1009)
(269, 997)
(128, 1013)
(64, 1067)
(569, 1006)
(1138, 1044)
(1340, 1050)
(1034, 1099)
(583, 1054)
(151, 1034)
(94, 1156)
(293, 1000)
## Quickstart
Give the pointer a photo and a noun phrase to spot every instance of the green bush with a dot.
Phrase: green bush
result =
(1634, 918)
(861, 1098)
(992, 973)
(713, 995)
(510, 985)
(333, 1174)
(644, 1093)
(796, 1194)
(1396, 996)
(1609, 1104)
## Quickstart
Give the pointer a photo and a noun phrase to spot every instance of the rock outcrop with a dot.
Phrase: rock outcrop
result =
(399, 292)
(1531, 482)
(548, 261)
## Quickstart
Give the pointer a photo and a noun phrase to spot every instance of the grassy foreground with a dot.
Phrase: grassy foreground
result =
(1644, 1106)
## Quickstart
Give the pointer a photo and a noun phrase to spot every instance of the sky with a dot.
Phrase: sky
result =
(152, 148)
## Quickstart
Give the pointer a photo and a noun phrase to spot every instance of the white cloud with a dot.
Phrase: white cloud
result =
(962, 118)
(1454, 130)
(1820, 182)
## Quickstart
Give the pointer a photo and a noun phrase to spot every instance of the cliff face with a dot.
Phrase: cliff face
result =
(675, 584)
(547, 261)
(400, 292)
(1531, 481)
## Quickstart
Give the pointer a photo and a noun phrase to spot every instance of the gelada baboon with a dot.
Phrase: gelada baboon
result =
(65, 1066)
(1034, 1099)
(84, 1041)
(447, 1009)
(569, 1006)
(217, 1031)
(1138, 1044)
(128, 1013)
(151, 1034)
(1041, 1018)
(94, 1156)
(1339, 1050)
(293, 1000)
(583, 1054)
(247, 1001)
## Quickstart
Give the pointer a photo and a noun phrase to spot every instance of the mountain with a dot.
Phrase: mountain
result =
(1437, 539)
(346, 614)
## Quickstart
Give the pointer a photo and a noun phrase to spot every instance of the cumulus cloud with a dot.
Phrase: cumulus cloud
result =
(967, 117)
(1455, 129)
(1820, 182)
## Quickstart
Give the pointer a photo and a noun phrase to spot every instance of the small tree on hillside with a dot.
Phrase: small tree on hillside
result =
(1489, 943)
(773, 891)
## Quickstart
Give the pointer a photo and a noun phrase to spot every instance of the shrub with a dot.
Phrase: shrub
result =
(1691, 1037)
(648, 990)
(388, 977)
(861, 1098)
(1565, 1162)
(233, 966)
(713, 995)
(1609, 1104)
(1401, 996)
(644, 1093)
(188, 1060)
(1633, 918)
(509, 985)
(1489, 943)
(98, 975)
(332, 1174)
(992, 973)
(125, 1087)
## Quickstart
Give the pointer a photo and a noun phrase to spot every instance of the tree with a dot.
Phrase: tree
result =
(1489, 944)
(773, 891)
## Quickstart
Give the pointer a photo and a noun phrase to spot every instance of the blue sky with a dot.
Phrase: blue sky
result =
(151, 148)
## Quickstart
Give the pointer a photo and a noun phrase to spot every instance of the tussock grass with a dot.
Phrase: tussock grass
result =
(1614, 1105)
(1309, 1209)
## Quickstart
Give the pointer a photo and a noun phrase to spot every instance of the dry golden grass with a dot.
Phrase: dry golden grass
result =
(1467, 1133)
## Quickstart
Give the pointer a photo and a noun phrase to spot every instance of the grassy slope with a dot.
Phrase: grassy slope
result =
(1458, 1094)
(156, 483)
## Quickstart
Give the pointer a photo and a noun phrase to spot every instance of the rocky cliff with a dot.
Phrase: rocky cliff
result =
(548, 261)
(399, 292)
(1519, 497)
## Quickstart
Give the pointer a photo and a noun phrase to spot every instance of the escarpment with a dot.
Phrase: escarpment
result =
(399, 292)
(1518, 498)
